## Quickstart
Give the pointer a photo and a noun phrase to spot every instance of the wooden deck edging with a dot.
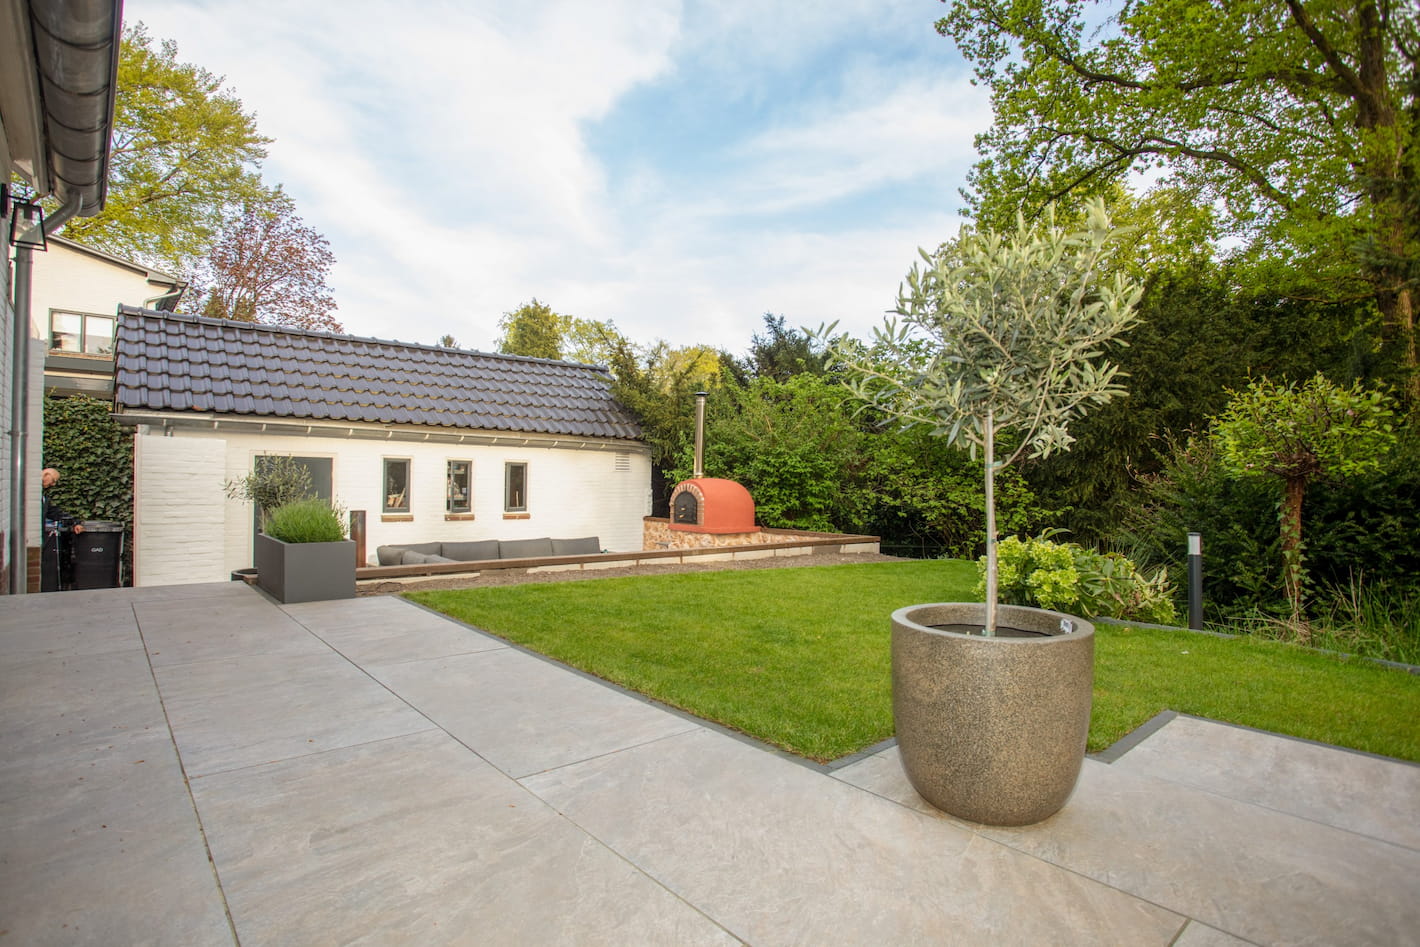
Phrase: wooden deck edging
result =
(795, 543)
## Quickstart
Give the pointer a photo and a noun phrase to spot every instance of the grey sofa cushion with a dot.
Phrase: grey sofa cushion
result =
(585, 546)
(524, 548)
(471, 551)
(413, 557)
(389, 555)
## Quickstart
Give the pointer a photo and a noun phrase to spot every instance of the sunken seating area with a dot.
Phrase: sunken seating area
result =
(486, 550)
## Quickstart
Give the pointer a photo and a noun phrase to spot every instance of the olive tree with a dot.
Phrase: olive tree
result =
(1298, 434)
(1000, 334)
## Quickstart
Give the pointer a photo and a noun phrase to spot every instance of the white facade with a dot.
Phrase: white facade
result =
(72, 279)
(575, 487)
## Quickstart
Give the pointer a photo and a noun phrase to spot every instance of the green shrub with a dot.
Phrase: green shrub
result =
(306, 521)
(1067, 577)
(275, 482)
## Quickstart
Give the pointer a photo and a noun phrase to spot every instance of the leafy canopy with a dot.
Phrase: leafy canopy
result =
(1005, 332)
(1299, 121)
(268, 267)
(184, 157)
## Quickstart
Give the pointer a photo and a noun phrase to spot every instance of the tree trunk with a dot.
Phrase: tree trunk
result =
(1293, 492)
(989, 446)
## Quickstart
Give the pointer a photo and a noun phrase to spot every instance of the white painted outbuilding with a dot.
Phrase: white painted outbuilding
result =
(434, 445)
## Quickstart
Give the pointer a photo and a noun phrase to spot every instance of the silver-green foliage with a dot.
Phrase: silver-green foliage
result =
(275, 482)
(1001, 332)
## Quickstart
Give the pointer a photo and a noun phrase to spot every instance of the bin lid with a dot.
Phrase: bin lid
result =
(102, 526)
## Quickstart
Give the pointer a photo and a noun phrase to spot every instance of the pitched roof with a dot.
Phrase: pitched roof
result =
(167, 362)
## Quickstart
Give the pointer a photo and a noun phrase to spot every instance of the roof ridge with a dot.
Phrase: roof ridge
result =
(125, 310)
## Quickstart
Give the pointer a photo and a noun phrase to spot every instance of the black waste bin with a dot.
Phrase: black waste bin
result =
(96, 554)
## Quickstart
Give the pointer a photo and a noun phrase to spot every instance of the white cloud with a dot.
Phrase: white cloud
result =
(443, 150)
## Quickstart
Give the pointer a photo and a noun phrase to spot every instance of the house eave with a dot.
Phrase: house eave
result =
(172, 421)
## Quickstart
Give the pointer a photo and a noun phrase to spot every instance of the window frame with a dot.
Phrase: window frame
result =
(508, 505)
(386, 508)
(83, 334)
(466, 506)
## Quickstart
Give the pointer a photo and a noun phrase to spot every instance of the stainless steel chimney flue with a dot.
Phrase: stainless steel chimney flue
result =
(699, 434)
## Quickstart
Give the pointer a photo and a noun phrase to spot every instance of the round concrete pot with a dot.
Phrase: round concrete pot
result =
(992, 730)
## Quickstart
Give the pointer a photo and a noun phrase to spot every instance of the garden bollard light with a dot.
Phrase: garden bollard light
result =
(1195, 581)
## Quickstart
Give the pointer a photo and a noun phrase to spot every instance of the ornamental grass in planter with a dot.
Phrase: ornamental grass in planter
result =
(302, 554)
(996, 334)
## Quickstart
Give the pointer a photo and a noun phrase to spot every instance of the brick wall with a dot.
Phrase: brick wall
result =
(179, 510)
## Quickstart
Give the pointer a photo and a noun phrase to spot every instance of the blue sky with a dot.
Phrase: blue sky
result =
(678, 168)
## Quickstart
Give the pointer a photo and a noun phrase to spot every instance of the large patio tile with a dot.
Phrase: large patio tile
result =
(391, 634)
(524, 714)
(1259, 874)
(1366, 794)
(74, 708)
(781, 854)
(187, 634)
(415, 840)
(97, 833)
(259, 708)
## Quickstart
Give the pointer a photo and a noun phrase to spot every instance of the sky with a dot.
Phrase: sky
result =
(676, 167)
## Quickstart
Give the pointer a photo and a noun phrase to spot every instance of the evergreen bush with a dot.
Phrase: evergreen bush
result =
(306, 521)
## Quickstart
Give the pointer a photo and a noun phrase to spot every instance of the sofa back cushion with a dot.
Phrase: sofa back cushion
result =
(412, 558)
(585, 546)
(524, 548)
(469, 552)
(394, 555)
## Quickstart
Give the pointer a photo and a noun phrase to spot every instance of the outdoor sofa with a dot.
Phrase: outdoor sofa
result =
(482, 550)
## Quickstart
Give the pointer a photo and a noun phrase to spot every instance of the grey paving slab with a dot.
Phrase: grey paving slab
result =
(187, 633)
(395, 631)
(415, 840)
(524, 714)
(1354, 791)
(1201, 935)
(780, 854)
(1255, 873)
(257, 708)
(98, 836)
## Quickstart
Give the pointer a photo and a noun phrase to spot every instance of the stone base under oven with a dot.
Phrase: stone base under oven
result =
(658, 534)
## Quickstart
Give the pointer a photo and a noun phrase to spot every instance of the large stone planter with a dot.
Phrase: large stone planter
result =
(992, 730)
(305, 572)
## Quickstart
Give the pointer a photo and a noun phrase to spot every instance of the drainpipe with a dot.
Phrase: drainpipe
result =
(699, 435)
(20, 396)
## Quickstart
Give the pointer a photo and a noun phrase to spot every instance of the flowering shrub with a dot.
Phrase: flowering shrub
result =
(1067, 577)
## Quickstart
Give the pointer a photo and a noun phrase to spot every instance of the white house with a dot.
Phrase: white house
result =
(433, 444)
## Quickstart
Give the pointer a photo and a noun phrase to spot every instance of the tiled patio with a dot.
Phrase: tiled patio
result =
(198, 765)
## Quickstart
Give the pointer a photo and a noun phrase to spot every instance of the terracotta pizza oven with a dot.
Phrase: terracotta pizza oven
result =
(712, 505)
(708, 504)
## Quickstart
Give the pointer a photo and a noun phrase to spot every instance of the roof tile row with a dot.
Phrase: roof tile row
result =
(167, 362)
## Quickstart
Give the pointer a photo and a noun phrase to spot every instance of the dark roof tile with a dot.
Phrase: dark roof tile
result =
(175, 362)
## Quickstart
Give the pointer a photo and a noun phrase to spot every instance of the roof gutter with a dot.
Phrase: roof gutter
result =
(75, 45)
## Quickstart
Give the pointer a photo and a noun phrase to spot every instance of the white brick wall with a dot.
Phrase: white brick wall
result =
(179, 514)
(571, 492)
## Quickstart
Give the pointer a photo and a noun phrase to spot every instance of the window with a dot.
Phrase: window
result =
(460, 487)
(396, 485)
(80, 333)
(515, 488)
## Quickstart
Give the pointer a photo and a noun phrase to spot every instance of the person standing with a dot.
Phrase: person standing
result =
(56, 559)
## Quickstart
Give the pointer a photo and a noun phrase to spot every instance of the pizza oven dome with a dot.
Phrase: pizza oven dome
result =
(712, 505)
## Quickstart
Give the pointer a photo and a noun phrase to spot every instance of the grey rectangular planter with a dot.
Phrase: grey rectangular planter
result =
(305, 572)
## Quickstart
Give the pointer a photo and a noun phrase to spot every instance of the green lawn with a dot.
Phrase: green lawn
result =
(799, 657)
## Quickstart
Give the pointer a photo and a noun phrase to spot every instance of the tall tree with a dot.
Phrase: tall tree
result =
(268, 267)
(1300, 119)
(532, 329)
(184, 158)
(782, 352)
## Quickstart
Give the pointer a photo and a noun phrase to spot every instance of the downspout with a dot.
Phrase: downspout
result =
(20, 396)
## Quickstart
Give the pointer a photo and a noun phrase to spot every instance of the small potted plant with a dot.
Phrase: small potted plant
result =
(997, 340)
(302, 554)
